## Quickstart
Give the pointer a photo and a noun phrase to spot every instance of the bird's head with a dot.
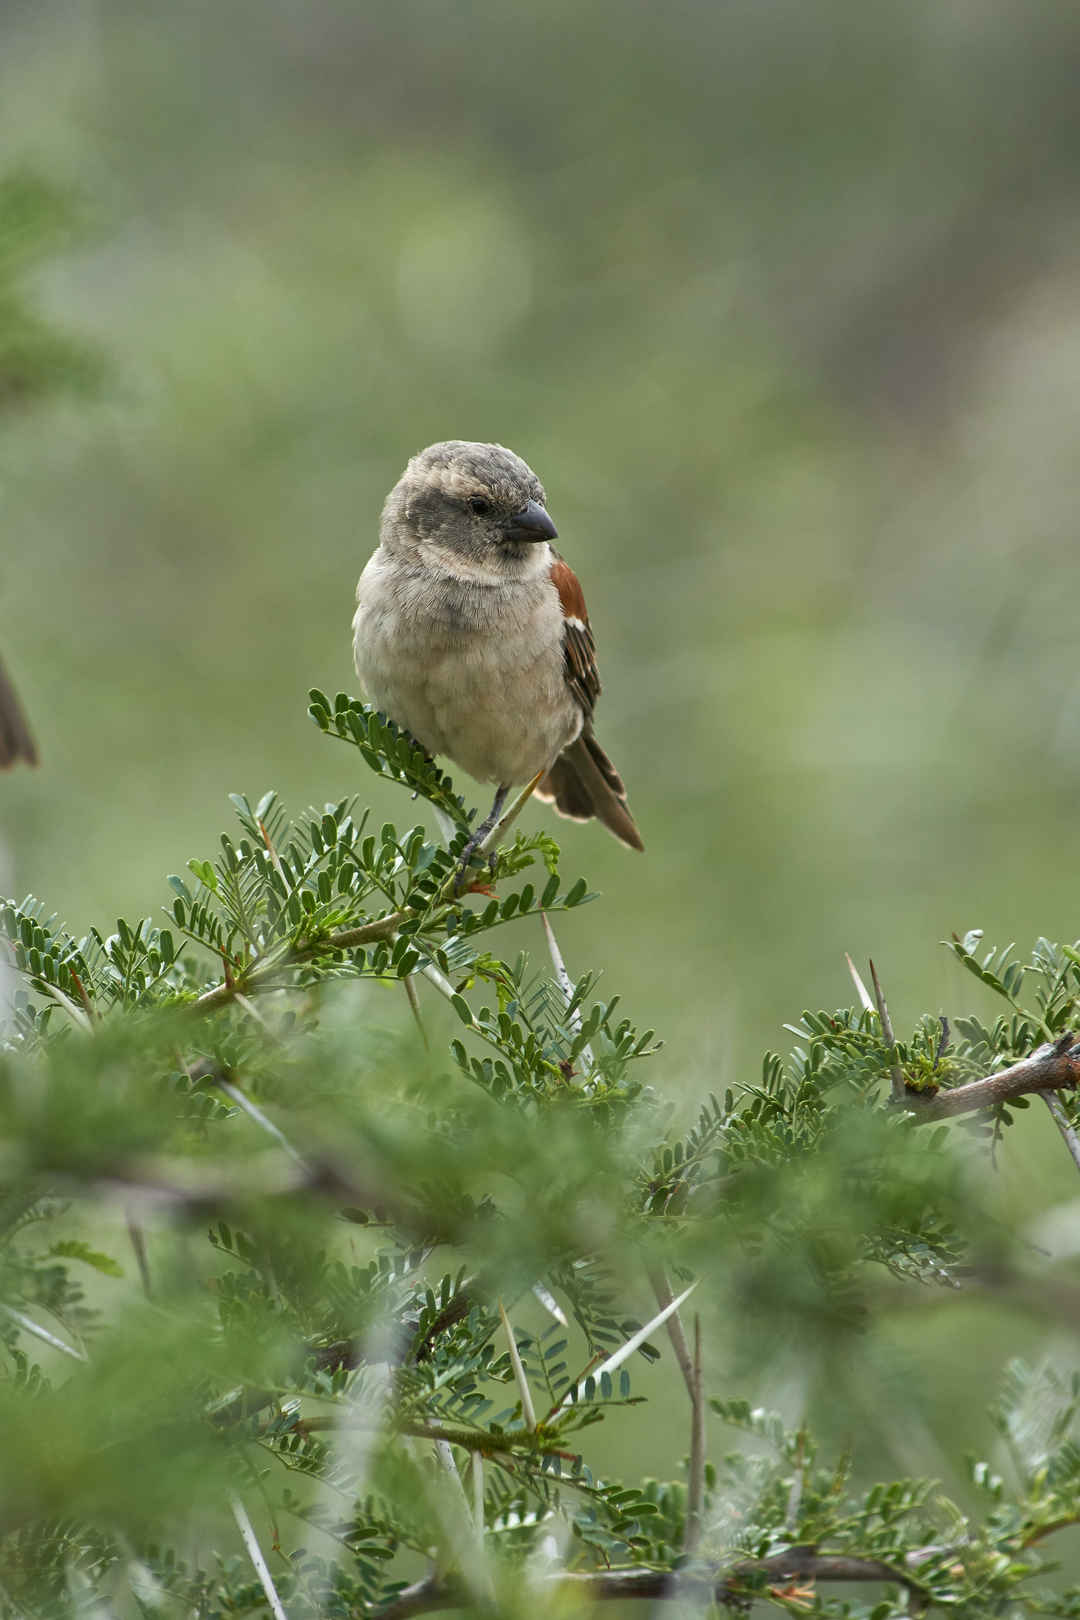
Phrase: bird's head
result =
(476, 510)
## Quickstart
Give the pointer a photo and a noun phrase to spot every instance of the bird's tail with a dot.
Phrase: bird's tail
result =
(584, 783)
(15, 739)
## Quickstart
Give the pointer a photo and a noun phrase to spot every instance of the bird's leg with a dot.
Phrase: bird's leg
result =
(481, 833)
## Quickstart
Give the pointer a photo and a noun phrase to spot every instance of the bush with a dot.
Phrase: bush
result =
(393, 1282)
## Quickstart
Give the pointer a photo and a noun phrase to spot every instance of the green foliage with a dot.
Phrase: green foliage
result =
(36, 218)
(328, 1210)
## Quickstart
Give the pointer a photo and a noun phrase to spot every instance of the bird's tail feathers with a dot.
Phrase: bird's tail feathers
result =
(584, 783)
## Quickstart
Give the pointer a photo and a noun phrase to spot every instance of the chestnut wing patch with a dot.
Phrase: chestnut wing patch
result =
(579, 648)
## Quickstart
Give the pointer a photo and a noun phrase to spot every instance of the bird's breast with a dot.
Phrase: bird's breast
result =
(473, 672)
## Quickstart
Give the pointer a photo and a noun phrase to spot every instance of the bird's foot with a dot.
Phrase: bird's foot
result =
(477, 839)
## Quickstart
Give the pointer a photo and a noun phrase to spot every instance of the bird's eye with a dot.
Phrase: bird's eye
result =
(480, 505)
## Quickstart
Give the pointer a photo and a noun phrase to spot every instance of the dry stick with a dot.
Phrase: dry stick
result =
(1061, 1120)
(898, 1087)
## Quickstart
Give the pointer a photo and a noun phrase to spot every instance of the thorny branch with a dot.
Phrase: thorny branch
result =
(1052, 1067)
(720, 1584)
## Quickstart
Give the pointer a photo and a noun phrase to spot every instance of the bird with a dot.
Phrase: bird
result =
(15, 740)
(471, 633)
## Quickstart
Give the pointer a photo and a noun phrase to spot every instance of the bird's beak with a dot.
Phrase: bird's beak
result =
(531, 524)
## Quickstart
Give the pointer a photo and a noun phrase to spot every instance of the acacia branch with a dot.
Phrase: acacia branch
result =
(260, 977)
(1053, 1067)
(719, 1584)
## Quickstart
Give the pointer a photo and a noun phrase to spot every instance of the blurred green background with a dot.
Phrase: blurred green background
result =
(781, 302)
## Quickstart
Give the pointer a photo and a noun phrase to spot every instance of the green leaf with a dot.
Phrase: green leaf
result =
(73, 1249)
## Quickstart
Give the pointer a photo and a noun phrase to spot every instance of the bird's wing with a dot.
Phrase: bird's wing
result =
(579, 648)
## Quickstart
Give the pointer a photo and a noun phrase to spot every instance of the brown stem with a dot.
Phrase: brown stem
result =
(1053, 1067)
(720, 1584)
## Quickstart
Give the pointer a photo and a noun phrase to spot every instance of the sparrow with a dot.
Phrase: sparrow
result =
(15, 739)
(471, 633)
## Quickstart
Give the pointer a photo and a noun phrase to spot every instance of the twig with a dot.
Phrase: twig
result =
(254, 1552)
(719, 1583)
(258, 978)
(895, 1070)
(1061, 1120)
(662, 1289)
(443, 1435)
